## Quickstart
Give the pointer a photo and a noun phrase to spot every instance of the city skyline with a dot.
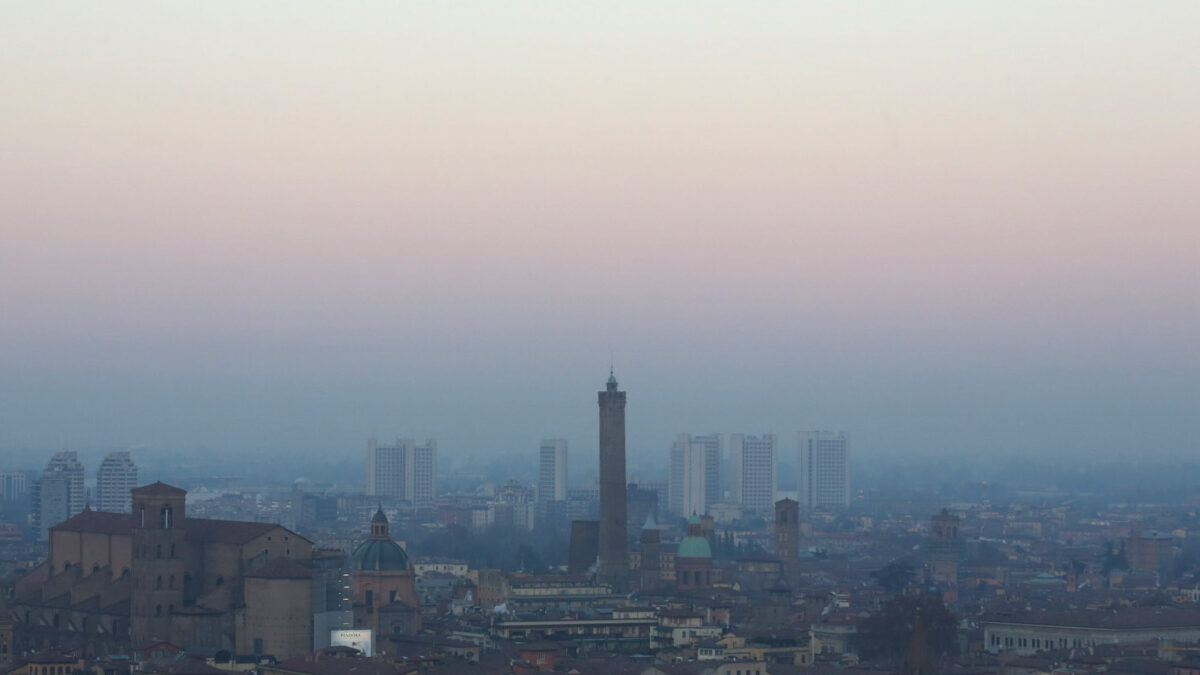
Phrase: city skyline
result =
(952, 229)
(905, 298)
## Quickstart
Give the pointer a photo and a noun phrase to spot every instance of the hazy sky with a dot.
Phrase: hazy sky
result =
(285, 227)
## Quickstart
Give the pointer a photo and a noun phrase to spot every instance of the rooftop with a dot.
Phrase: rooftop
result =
(1126, 618)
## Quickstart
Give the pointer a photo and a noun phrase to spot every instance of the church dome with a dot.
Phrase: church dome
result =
(694, 547)
(379, 555)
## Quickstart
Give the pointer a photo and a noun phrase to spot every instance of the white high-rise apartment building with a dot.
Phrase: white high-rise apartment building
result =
(824, 469)
(713, 448)
(552, 470)
(754, 471)
(687, 485)
(424, 473)
(116, 477)
(59, 493)
(67, 465)
(404, 470)
(12, 484)
(51, 501)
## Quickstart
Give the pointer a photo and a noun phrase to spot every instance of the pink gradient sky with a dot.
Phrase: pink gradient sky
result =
(790, 196)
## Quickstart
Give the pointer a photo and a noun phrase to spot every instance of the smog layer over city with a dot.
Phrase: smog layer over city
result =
(649, 338)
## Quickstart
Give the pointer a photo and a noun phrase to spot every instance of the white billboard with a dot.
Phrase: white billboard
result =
(359, 638)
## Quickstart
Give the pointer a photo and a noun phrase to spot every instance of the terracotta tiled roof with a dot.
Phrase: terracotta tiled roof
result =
(230, 531)
(198, 529)
(191, 667)
(1126, 618)
(62, 601)
(158, 489)
(224, 531)
(96, 521)
(119, 608)
(195, 610)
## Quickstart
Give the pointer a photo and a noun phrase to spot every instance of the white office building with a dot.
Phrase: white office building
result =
(12, 484)
(552, 470)
(714, 448)
(824, 480)
(403, 470)
(687, 490)
(754, 472)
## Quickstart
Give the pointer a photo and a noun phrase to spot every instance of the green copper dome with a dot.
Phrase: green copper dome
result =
(379, 555)
(694, 547)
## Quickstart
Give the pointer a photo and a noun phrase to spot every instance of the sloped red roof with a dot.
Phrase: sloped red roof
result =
(197, 529)
(195, 610)
(224, 531)
(158, 489)
(96, 521)
(189, 667)
(1126, 618)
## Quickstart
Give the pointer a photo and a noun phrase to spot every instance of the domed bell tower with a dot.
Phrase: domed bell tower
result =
(382, 583)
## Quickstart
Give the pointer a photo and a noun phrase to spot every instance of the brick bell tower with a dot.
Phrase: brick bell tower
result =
(159, 560)
(613, 549)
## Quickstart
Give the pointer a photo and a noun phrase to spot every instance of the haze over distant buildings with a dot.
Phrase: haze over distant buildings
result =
(954, 229)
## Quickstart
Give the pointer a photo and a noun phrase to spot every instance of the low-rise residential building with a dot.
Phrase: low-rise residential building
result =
(540, 591)
(1031, 632)
(681, 628)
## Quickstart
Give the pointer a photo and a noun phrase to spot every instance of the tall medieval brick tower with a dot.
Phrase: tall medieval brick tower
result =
(614, 554)
(159, 560)
(787, 538)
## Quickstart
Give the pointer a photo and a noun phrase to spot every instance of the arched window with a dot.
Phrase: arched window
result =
(158, 610)
(167, 516)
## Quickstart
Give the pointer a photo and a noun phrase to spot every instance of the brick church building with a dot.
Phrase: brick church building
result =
(119, 580)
